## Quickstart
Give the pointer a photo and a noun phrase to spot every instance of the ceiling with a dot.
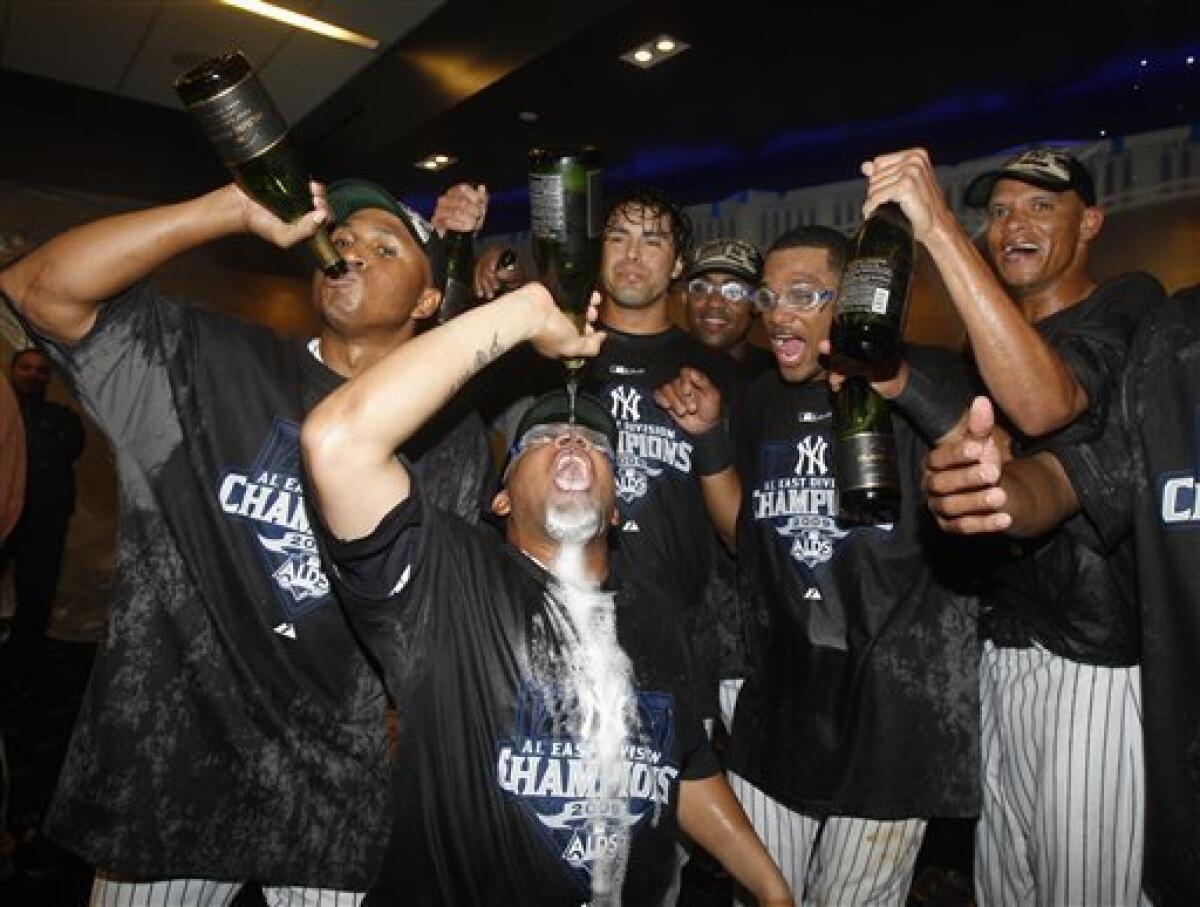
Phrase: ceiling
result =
(771, 95)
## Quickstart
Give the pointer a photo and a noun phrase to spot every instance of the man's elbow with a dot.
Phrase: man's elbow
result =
(325, 443)
(1045, 414)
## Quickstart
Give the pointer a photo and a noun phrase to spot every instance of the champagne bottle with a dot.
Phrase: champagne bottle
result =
(567, 223)
(457, 295)
(868, 318)
(251, 138)
(864, 455)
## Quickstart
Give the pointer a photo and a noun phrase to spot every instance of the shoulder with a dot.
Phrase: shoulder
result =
(1124, 300)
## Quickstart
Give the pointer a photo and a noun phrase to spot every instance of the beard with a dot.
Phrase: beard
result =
(574, 524)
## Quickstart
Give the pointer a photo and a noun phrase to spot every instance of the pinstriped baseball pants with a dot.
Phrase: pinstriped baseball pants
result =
(107, 892)
(1062, 821)
(839, 861)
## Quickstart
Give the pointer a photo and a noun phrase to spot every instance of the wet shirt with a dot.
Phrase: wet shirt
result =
(862, 699)
(232, 728)
(1062, 590)
(496, 800)
(664, 528)
(1142, 475)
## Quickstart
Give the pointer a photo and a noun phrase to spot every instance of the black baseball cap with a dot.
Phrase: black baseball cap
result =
(349, 195)
(554, 407)
(1049, 168)
(729, 256)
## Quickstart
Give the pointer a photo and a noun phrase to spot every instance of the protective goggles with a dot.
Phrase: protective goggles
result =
(731, 291)
(801, 297)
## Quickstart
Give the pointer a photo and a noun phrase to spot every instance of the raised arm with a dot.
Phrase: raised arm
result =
(970, 490)
(694, 403)
(1029, 381)
(61, 285)
(711, 816)
(349, 440)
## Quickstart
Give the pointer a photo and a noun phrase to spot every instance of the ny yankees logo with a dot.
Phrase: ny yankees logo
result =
(811, 456)
(625, 403)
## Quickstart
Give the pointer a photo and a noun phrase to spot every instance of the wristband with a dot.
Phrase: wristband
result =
(710, 451)
(934, 407)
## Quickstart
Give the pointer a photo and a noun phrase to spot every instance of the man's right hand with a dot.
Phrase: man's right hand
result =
(962, 476)
(264, 224)
(556, 336)
(692, 400)
(490, 277)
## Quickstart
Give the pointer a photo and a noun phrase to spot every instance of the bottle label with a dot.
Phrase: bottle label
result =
(241, 122)
(865, 460)
(866, 287)
(547, 204)
(553, 207)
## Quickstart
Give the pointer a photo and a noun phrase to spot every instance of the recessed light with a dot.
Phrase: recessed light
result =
(1103, 133)
(527, 116)
(1191, 60)
(434, 162)
(654, 52)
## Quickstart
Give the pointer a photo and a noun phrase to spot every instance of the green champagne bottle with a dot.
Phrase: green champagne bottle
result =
(457, 295)
(868, 318)
(567, 227)
(864, 455)
(251, 138)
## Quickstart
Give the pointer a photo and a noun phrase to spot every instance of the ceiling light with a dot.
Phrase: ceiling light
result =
(434, 162)
(654, 52)
(299, 20)
(528, 116)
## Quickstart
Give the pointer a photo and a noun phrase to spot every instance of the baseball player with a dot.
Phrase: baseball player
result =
(232, 728)
(858, 720)
(549, 736)
(1140, 474)
(1063, 770)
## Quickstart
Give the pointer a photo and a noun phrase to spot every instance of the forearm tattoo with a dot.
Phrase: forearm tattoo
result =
(481, 360)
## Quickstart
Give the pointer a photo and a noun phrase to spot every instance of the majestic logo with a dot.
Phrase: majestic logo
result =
(558, 781)
(1179, 492)
(811, 456)
(269, 498)
(625, 403)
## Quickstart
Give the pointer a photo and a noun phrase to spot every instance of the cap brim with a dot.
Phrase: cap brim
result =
(721, 268)
(979, 190)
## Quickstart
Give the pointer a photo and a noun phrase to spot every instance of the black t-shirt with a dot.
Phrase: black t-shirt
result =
(493, 801)
(232, 727)
(53, 442)
(863, 694)
(1063, 590)
(664, 529)
(1143, 474)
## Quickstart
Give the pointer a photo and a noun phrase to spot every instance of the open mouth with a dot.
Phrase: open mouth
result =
(789, 349)
(1020, 250)
(572, 471)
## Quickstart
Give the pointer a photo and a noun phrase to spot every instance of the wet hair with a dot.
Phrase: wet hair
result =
(654, 203)
(835, 243)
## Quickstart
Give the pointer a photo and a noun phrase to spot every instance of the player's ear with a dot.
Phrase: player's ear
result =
(427, 304)
(1093, 220)
(502, 504)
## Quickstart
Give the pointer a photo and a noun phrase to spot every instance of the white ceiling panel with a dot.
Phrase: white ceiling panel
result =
(189, 32)
(83, 42)
(136, 48)
(307, 69)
